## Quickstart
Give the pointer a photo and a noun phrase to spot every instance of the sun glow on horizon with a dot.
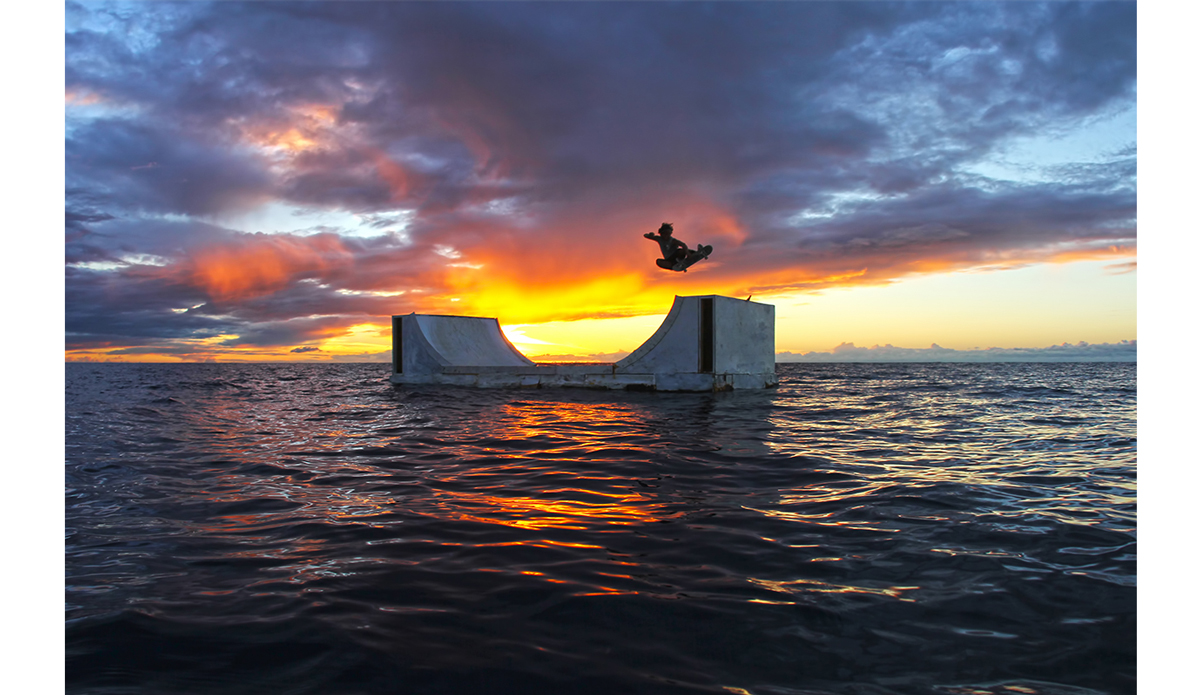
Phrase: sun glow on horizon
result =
(1030, 306)
(292, 194)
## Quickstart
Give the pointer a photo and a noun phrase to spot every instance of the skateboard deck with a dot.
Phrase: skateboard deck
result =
(695, 257)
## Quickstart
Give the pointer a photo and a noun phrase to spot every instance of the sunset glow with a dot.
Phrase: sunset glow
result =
(328, 166)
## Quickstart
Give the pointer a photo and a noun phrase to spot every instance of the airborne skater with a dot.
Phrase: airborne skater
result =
(676, 255)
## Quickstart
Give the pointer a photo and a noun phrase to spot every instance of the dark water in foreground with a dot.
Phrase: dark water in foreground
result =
(866, 529)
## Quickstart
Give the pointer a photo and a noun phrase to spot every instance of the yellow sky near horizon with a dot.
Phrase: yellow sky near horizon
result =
(1031, 307)
(1035, 306)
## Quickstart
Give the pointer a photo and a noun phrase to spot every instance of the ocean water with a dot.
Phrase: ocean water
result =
(862, 529)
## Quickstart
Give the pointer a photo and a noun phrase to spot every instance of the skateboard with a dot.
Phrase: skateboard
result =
(693, 258)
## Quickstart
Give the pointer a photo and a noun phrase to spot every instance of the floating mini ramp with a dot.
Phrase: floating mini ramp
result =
(705, 343)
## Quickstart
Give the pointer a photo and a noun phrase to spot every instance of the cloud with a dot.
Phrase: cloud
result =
(307, 348)
(289, 332)
(573, 357)
(384, 357)
(812, 144)
(145, 167)
(1122, 351)
(260, 264)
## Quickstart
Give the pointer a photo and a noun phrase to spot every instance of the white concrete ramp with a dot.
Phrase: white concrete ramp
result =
(430, 343)
(705, 343)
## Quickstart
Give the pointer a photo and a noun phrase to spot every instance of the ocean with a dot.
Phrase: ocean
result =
(865, 529)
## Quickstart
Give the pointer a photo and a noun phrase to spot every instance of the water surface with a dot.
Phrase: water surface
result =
(861, 529)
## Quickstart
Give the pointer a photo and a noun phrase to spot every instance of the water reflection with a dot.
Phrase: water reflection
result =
(534, 513)
(736, 538)
(805, 588)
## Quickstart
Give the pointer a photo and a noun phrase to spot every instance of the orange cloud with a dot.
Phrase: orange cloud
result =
(309, 127)
(701, 221)
(263, 264)
(82, 97)
(396, 177)
(1086, 253)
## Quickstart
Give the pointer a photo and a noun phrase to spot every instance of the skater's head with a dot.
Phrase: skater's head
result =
(666, 229)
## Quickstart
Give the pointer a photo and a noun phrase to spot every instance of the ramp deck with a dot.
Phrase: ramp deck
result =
(705, 343)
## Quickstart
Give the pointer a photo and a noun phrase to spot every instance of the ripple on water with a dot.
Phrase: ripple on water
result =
(862, 528)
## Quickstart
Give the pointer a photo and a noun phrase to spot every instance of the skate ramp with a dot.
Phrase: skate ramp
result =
(430, 342)
(704, 343)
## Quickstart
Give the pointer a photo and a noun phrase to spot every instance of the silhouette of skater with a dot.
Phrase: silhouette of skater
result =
(676, 254)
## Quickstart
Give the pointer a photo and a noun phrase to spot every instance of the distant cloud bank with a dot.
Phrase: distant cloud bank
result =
(1122, 351)
(593, 357)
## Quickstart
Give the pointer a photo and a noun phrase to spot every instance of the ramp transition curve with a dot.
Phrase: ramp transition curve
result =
(705, 343)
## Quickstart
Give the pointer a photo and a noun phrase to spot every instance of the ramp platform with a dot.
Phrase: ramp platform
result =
(705, 343)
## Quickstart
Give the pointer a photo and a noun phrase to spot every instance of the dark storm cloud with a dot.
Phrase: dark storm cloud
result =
(601, 99)
(79, 221)
(158, 169)
(838, 136)
(105, 237)
(112, 308)
(283, 333)
(307, 298)
(581, 93)
(576, 96)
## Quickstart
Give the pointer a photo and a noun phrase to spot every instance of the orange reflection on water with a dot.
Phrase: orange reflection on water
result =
(803, 586)
(524, 465)
(548, 419)
(607, 499)
(531, 513)
(534, 543)
(606, 591)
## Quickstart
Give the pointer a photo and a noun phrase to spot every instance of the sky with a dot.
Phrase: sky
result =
(275, 180)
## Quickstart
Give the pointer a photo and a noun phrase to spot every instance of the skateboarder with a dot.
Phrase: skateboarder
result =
(676, 255)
